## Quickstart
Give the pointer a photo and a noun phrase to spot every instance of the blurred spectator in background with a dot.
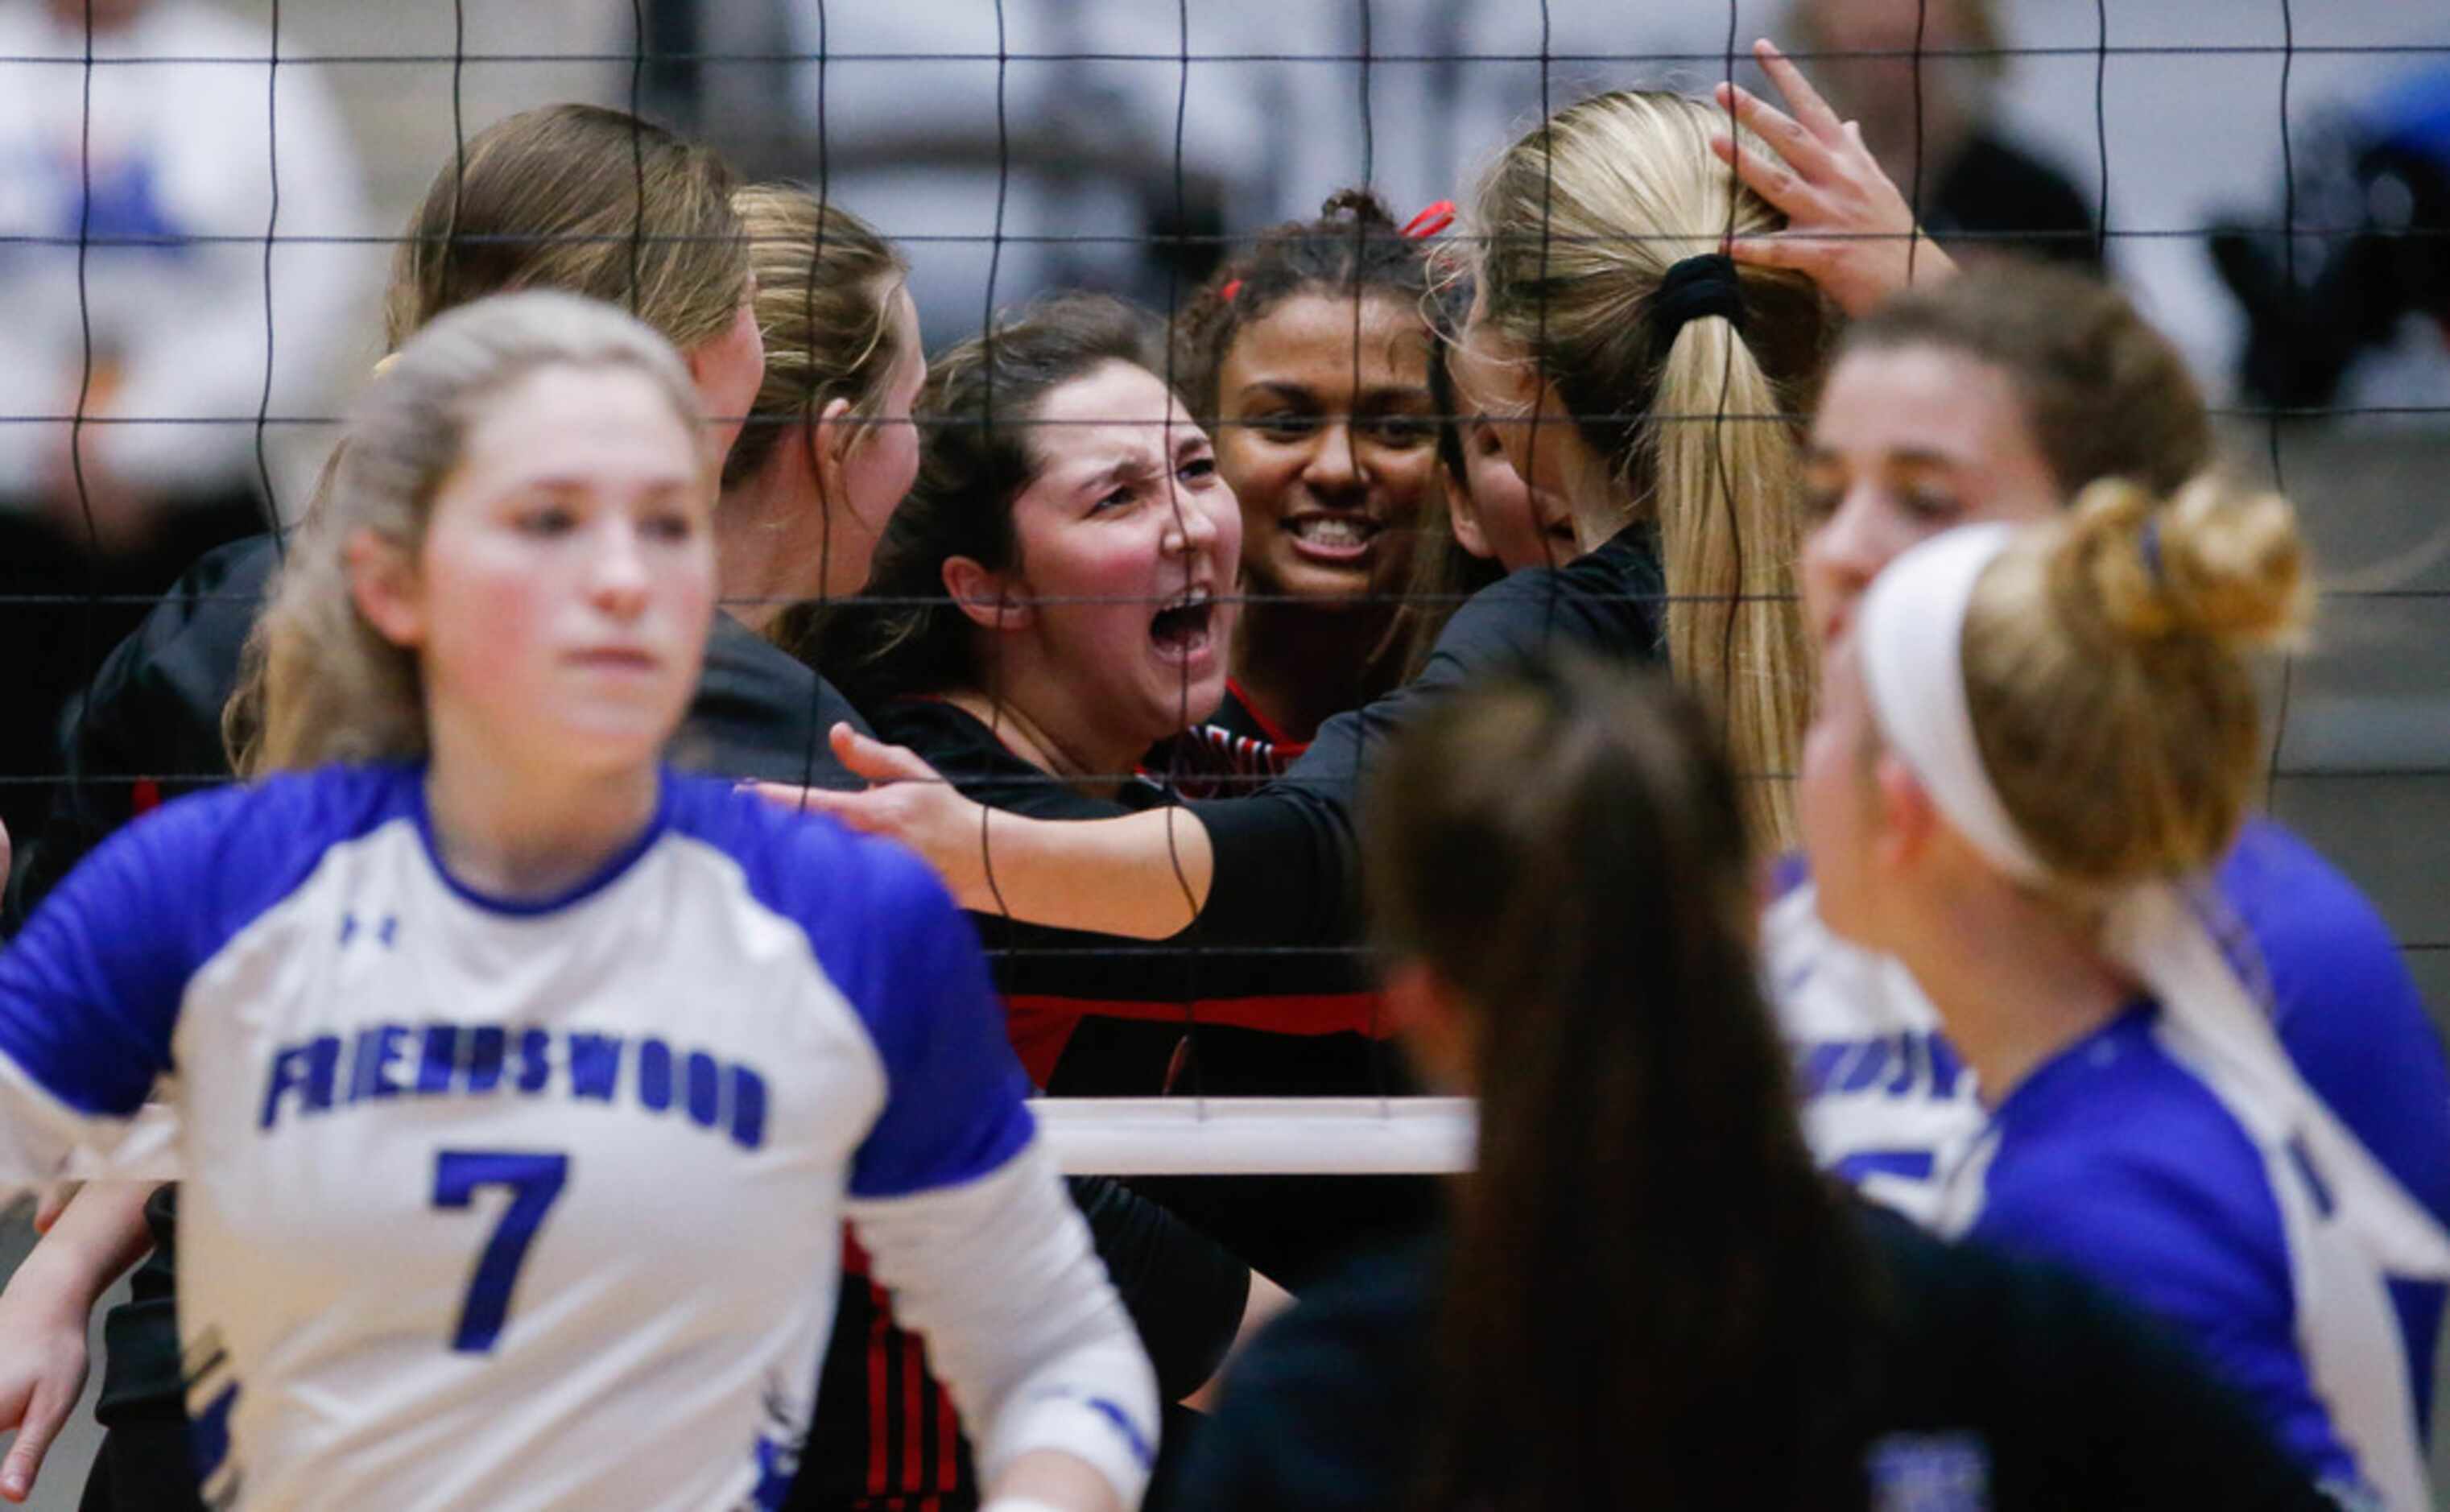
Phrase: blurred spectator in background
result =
(1929, 120)
(135, 202)
(2357, 311)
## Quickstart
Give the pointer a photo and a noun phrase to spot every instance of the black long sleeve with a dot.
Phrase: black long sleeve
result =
(1285, 856)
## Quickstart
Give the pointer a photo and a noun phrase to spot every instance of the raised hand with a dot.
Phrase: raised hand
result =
(1847, 227)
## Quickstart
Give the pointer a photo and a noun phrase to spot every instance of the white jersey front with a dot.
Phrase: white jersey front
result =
(494, 1205)
(1886, 1102)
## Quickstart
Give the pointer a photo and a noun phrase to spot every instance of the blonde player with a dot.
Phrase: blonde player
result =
(523, 1085)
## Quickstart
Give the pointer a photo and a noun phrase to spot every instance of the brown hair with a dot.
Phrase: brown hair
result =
(579, 197)
(2107, 677)
(904, 634)
(332, 686)
(569, 196)
(2104, 394)
(825, 306)
(1564, 849)
(1581, 220)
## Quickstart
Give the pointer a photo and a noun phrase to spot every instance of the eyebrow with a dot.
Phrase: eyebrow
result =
(1910, 456)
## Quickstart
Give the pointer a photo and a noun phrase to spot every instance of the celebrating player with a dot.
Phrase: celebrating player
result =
(1650, 1298)
(473, 985)
(2029, 746)
(1618, 401)
(1994, 399)
(1307, 358)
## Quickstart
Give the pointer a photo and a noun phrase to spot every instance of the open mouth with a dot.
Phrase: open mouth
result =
(1333, 537)
(1182, 629)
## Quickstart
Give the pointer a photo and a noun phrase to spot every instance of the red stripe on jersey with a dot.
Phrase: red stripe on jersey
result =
(145, 797)
(914, 1384)
(1327, 1013)
(880, 1339)
(1039, 1029)
(948, 1443)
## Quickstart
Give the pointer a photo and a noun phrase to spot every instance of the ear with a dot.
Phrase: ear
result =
(1435, 1024)
(983, 595)
(833, 442)
(1910, 822)
(387, 588)
(1463, 516)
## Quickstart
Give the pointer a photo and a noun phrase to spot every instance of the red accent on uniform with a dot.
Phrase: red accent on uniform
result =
(1277, 736)
(145, 797)
(880, 1333)
(1322, 1013)
(914, 1382)
(948, 1442)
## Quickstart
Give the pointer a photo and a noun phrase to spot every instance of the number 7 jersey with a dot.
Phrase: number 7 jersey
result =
(496, 1204)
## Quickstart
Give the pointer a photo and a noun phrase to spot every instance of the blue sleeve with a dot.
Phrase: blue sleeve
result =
(2345, 1006)
(2202, 1251)
(953, 1087)
(89, 991)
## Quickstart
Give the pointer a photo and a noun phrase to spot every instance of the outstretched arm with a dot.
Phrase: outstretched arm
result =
(1847, 226)
(1144, 875)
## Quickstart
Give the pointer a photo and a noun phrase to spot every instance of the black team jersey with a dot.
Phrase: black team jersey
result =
(1285, 858)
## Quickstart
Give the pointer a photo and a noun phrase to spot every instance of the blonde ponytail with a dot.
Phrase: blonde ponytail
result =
(1582, 222)
(2107, 673)
(1724, 481)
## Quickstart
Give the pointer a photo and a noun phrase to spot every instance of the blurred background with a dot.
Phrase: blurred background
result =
(223, 326)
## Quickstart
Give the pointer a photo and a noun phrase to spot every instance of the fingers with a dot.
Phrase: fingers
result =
(45, 1413)
(1767, 177)
(1800, 97)
(1803, 152)
(1794, 254)
(51, 1202)
(878, 761)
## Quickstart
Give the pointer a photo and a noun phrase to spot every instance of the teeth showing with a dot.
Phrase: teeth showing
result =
(1330, 529)
(1183, 624)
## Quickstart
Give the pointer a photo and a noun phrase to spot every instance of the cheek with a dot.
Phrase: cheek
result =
(1258, 472)
(882, 472)
(486, 606)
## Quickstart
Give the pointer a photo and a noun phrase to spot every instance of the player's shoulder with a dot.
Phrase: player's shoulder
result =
(202, 867)
(276, 823)
(806, 865)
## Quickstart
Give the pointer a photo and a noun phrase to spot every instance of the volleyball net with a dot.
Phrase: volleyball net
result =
(2269, 181)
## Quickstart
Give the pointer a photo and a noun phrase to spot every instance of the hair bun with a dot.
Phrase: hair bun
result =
(2213, 561)
(1362, 206)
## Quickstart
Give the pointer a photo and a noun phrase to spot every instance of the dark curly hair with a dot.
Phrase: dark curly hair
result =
(1355, 247)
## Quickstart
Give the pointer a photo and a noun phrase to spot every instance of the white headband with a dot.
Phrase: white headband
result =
(1910, 640)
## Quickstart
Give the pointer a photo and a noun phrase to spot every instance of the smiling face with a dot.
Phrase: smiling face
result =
(560, 603)
(1909, 442)
(1128, 540)
(1327, 434)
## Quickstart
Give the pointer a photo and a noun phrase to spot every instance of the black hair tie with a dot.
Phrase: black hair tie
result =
(1692, 289)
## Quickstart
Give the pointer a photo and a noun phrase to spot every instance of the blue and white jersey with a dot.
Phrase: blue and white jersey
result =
(2115, 1160)
(1887, 1103)
(540, 1204)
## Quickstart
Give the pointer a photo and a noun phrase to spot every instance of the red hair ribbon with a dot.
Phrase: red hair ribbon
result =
(1432, 221)
(1232, 287)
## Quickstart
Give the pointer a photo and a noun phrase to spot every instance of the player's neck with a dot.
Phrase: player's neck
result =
(511, 834)
(2015, 981)
(774, 547)
(1301, 665)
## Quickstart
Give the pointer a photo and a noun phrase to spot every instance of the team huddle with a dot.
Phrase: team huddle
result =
(703, 763)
